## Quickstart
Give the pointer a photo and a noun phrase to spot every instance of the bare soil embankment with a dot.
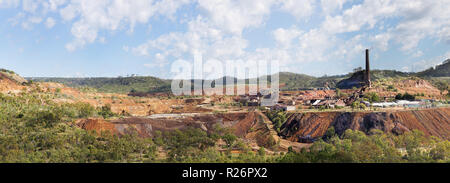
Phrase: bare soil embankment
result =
(304, 127)
(254, 127)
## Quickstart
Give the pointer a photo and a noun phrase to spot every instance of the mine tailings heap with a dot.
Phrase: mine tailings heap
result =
(358, 79)
(304, 127)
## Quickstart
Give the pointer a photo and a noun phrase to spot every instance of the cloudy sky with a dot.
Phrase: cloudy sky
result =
(85, 38)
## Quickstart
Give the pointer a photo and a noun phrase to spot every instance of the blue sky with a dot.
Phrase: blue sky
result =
(85, 38)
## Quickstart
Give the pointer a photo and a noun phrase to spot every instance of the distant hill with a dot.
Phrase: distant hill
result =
(147, 84)
(293, 81)
(288, 80)
(442, 70)
(114, 85)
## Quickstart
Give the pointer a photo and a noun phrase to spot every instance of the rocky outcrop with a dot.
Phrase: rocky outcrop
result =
(304, 127)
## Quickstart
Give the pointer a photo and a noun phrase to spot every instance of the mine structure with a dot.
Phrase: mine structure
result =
(367, 72)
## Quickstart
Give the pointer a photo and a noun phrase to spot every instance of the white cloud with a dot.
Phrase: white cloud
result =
(381, 41)
(50, 22)
(112, 15)
(235, 15)
(30, 5)
(313, 46)
(28, 23)
(427, 63)
(68, 13)
(299, 8)
(447, 55)
(9, 3)
(217, 28)
(35, 20)
(126, 48)
(331, 6)
(417, 20)
(53, 5)
(83, 33)
(417, 54)
(348, 49)
(201, 36)
(353, 19)
(284, 37)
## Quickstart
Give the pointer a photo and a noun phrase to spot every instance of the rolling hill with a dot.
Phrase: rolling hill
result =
(114, 85)
(439, 76)
(442, 70)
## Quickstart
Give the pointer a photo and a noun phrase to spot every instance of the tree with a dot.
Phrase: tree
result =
(409, 97)
(399, 96)
(357, 69)
(262, 151)
(47, 118)
(290, 149)
(105, 111)
(355, 105)
(329, 134)
(229, 139)
(85, 110)
(278, 118)
(405, 96)
(373, 97)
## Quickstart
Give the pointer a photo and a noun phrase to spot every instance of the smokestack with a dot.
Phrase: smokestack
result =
(367, 74)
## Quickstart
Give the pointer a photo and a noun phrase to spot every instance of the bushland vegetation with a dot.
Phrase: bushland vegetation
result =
(377, 147)
(35, 129)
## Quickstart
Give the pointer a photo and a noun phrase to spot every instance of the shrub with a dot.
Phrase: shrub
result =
(46, 118)
(262, 151)
(373, 97)
(399, 96)
(390, 87)
(105, 111)
(405, 96)
(229, 139)
(85, 110)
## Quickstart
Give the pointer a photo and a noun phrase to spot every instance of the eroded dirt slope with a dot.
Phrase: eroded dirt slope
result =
(254, 127)
(412, 86)
(11, 83)
(241, 123)
(304, 127)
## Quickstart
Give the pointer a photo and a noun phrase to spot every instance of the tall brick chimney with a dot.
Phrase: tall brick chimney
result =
(367, 73)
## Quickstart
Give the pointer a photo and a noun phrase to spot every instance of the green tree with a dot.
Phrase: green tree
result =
(105, 111)
(229, 139)
(262, 151)
(85, 110)
(329, 134)
(373, 97)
